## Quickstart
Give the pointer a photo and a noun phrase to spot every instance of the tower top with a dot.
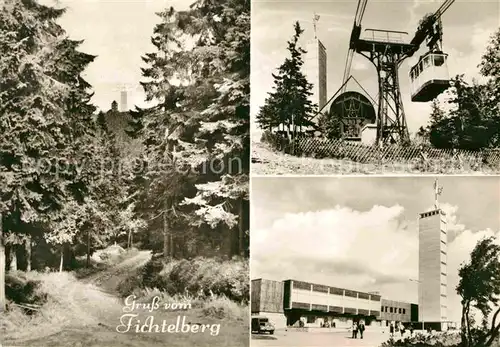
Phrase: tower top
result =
(437, 192)
(315, 21)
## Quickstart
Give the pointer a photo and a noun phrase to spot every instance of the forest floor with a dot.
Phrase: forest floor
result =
(98, 309)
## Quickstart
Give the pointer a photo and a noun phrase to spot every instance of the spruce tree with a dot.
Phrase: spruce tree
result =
(201, 124)
(289, 103)
(33, 126)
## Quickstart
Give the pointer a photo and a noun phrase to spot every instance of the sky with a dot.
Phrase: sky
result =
(119, 33)
(362, 233)
(467, 26)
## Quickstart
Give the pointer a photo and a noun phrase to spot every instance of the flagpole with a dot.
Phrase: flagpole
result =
(315, 21)
(437, 191)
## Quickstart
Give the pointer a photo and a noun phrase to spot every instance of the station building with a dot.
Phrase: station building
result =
(286, 303)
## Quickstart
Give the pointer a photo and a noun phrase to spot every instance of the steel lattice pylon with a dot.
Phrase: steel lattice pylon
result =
(391, 120)
(386, 53)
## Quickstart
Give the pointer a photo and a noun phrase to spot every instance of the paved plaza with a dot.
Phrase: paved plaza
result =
(318, 339)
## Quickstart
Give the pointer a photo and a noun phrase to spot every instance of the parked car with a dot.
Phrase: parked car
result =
(262, 325)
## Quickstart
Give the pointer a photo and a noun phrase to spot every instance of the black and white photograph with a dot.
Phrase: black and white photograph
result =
(375, 87)
(380, 261)
(124, 173)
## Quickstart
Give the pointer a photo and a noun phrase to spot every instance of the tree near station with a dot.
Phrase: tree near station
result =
(479, 289)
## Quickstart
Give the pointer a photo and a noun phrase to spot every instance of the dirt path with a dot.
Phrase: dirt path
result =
(100, 310)
(108, 280)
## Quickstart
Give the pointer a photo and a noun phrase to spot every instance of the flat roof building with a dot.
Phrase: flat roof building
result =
(287, 302)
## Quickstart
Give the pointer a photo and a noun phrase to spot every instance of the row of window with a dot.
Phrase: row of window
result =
(398, 310)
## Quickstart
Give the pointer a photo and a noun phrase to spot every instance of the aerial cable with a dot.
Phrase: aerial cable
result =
(358, 22)
(360, 11)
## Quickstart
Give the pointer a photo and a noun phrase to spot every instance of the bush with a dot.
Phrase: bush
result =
(267, 137)
(223, 308)
(20, 289)
(421, 340)
(198, 277)
(108, 254)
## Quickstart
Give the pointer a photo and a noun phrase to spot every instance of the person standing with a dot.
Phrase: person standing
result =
(391, 329)
(354, 330)
(361, 329)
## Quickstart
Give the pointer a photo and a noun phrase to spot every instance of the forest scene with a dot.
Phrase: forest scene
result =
(102, 208)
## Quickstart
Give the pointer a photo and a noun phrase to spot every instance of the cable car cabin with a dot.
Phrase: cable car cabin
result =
(429, 77)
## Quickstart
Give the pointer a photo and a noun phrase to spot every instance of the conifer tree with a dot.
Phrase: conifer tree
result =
(289, 103)
(32, 117)
(200, 124)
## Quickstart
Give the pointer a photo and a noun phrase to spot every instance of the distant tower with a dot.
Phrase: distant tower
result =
(315, 67)
(315, 70)
(123, 101)
(432, 263)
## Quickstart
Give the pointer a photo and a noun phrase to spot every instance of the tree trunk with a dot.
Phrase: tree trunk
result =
(467, 318)
(165, 236)
(2, 269)
(241, 232)
(495, 328)
(88, 248)
(463, 333)
(62, 259)
(171, 241)
(13, 258)
(28, 253)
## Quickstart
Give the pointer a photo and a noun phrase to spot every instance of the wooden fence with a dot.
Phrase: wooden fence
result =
(361, 153)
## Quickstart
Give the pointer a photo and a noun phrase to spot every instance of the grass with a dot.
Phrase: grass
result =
(68, 304)
(218, 307)
(76, 313)
(266, 161)
(232, 317)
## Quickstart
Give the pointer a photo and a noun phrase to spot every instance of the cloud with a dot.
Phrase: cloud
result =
(338, 236)
(361, 65)
(374, 250)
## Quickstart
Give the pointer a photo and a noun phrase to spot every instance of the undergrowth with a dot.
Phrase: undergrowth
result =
(426, 340)
(218, 307)
(199, 277)
(66, 302)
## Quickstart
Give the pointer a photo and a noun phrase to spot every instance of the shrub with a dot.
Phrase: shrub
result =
(20, 289)
(224, 308)
(267, 137)
(421, 340)
(205, 277)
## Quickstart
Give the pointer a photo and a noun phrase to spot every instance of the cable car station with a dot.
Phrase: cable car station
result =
(386, 50)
